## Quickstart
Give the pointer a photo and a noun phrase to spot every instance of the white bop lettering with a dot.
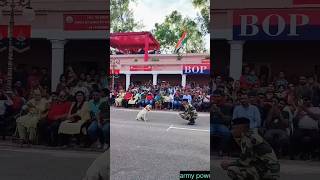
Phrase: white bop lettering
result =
(266, 25)
(245, 24)
(294, 23)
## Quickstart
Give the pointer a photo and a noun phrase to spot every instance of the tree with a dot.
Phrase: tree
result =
(204, 17)
(169, 32)
(122, 19)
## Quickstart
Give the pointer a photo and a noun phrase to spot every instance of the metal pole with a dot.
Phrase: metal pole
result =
(10, 54)
(113, 68)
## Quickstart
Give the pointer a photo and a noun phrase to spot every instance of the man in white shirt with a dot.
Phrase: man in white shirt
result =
(246, 110)
(187, 96)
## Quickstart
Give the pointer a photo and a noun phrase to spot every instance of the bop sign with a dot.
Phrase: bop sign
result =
(276, 25)
(196, 69)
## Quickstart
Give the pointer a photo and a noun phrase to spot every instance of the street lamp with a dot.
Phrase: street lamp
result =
(30, 14)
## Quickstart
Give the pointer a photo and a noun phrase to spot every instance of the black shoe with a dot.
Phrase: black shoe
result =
(191, 123)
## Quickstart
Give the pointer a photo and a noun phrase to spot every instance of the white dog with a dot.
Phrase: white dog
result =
(142, 115)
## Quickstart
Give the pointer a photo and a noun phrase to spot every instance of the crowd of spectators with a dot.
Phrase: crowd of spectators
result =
(162, 96)
(286, 113)
(77, 110)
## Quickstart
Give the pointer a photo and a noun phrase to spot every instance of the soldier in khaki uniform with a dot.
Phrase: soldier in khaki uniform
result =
(190, 113)
(257, 159)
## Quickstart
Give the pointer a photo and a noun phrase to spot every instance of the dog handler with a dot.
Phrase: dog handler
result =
(190, 113)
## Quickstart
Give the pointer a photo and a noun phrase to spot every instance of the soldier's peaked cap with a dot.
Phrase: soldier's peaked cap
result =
(242, 120)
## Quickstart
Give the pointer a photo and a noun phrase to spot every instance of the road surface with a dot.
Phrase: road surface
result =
(159, 149)
(40, 164)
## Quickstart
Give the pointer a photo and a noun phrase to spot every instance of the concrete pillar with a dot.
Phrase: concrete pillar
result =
(183, 80)
(128, 81)
(236, 59)
(57, 62)
(154, 79)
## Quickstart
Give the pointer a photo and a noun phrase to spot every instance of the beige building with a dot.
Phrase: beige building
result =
(267, 35)
(64, 32)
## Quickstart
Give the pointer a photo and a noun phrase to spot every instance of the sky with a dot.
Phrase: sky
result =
(149, 12)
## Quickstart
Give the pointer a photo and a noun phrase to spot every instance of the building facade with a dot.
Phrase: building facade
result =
(270, 35)
(161, 67)
(64, 32)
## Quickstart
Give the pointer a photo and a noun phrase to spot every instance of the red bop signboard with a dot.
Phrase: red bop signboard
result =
(78, 22)
(196, 69)
(289, 24)
(140, 68)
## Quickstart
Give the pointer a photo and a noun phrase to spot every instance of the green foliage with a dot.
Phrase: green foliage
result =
(204, 17)
(122, 19)
(169, 32)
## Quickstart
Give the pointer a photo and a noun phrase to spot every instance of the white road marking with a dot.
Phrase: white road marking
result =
(172, 127)
(200, 114)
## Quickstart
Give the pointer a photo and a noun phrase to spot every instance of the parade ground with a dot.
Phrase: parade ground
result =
(44, 164)
(158, 149)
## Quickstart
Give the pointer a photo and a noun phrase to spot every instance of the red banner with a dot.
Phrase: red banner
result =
(300, 2)
(115, 71)
(205, 61)
(140, 68)
(18, 31)
(78, 22)
(3, 32)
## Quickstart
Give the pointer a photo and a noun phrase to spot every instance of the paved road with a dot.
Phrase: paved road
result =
(39, 164)
(290, 170)
(155, 151)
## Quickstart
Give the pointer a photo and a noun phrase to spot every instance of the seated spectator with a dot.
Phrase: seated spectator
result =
(306, 132)
(149, 99)
(167, 101)
(197, 101)
(5, 103)
(281, 80)
(62, 85)
(277, 123)
(99, 127)
(18, 102)
(135, 98)
(303, 90)
(205, 105)
(36, 109)
(80, 87)
(127, 97)
(158, 101)
(119, 99)
(78, 115)
(58, 112)
(220, 116)
(246, 110)
(177, 99)
(188, 96)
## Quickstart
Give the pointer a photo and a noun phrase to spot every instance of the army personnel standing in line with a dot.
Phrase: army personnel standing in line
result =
(190, 113)
(257, 159)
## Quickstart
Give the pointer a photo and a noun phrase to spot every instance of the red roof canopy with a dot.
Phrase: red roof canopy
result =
(133, 41)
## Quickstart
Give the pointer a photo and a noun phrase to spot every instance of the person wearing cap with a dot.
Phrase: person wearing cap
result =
(257, 159)
(190, 113)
